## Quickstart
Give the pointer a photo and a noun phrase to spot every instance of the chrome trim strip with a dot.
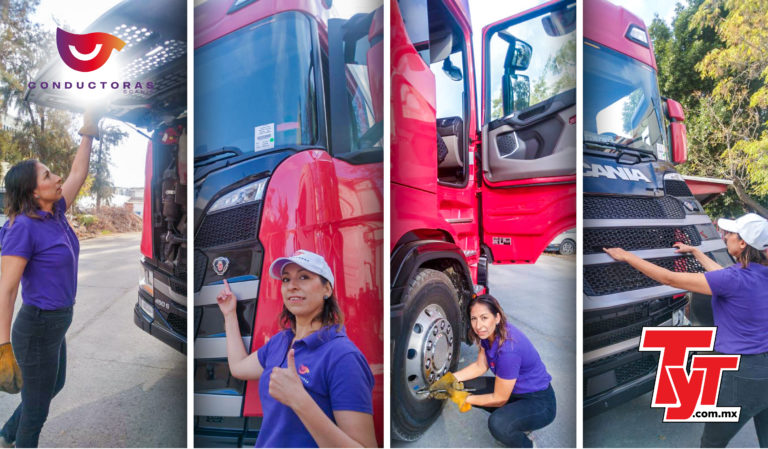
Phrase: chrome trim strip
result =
(243, 290)
(215, 347)
(640, 222)
(218, 404)
(616, 348)
(166, 290)
(629, 297)
(706, 246)
(459, 220)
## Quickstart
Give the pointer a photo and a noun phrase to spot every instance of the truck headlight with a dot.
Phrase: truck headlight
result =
(242, 195)
(147, 281)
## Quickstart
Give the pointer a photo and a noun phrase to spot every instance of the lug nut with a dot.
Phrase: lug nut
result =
(442, 325)
(427, 363)
(429, 346)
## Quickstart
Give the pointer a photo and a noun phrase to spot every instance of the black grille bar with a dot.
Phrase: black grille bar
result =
(595, 239)
(606, 279)
(625, 207)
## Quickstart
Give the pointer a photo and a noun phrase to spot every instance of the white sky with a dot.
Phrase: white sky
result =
(127, 159)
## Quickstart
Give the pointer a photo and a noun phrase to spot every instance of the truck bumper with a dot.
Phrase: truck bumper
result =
(157, 327)
(619, 395)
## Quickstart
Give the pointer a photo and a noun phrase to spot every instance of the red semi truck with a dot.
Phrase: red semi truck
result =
(635, 199)
(288, 155)
(463, 196)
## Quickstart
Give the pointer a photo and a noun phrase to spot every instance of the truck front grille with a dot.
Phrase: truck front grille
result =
(229, 226)
(636, 369)
(595, 239)
(177, 323)
(607, 328)
(201, 262)
(676, 188)
(609, 278)
(626, 207)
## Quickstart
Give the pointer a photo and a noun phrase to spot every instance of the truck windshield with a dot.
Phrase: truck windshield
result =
(621, 101)
(255, 88)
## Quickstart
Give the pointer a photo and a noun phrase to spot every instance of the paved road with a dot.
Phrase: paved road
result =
(636, 424)
(540, 300)
(124, 388)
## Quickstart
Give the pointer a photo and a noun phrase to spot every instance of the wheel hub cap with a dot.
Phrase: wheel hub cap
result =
(430, 349)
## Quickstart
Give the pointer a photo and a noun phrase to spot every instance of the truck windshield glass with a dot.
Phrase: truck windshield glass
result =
(551, 63)
(621, 101)
(255, 88)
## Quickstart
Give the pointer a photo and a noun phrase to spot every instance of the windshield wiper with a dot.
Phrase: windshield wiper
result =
(605, 144)
(223, 150)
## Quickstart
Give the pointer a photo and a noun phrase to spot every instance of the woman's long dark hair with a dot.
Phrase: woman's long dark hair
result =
(493, 305)
(330, 315)
(20, 184)
(751, 254)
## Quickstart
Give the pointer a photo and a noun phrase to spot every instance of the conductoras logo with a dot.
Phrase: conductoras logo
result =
(86, 52)
(689, 395)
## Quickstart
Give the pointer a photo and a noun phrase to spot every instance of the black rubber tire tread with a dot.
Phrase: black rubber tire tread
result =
(411, 418)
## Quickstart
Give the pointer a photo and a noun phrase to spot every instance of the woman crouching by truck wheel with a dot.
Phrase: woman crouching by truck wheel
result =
(740, 310)
(327, 401)
(519, 397)
(40, 251)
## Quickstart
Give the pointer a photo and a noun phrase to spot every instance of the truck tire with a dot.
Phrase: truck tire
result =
(427, 347)
(567, 248)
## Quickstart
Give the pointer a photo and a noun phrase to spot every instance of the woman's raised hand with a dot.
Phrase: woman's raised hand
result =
(227, 300)
(683, 248)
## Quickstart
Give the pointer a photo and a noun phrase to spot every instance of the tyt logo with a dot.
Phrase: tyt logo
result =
(86, 52)
(689, 396)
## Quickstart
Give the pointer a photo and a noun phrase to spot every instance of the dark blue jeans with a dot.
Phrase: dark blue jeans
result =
(747, 388)
(521, 413)
(41, 351)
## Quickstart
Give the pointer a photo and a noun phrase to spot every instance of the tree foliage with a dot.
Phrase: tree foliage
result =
(725, 95)
(102, 187)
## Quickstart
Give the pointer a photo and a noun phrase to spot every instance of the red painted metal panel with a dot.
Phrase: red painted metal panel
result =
(413, 133)
(146, 214)
(335, 209)
(607, 24)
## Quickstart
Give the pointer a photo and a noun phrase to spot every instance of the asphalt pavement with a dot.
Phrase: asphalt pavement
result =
(124, 388)
(540, 300)
(636, 424)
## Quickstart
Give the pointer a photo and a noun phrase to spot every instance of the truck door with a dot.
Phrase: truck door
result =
(528, 154)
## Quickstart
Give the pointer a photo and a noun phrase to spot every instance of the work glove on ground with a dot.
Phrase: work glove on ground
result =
(443, 387)
(91, 123)
(10, 373)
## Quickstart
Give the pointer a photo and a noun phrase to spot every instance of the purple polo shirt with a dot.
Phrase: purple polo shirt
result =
(334, 372)
(51, 248)
(740, 308)
(517, 359)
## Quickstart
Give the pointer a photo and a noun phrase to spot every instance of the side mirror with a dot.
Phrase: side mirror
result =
(677, 131)
(518, 54)
(559, 23)
(451, 71)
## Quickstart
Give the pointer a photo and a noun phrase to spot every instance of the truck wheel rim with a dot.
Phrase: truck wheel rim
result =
(430, 349)
(567, 247)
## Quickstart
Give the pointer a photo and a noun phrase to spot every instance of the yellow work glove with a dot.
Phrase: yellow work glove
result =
(443, 387)
(10, 373)
(460, 398)
(91, 123)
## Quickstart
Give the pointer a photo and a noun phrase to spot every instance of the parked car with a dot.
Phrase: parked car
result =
(564, 243)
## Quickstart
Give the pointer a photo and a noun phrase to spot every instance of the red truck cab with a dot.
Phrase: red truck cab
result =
(464, 195)
(288, 156)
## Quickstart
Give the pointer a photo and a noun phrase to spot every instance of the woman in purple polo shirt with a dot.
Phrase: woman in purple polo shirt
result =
(740, 310)
(315, 386)
(40, 251)
(519, 396)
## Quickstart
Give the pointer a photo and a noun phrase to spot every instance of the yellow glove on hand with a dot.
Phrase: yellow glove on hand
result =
(91, 123)
(10, 373)
(460, 398)
(443, 387)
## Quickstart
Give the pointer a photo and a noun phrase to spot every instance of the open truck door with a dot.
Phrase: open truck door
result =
(528, 155)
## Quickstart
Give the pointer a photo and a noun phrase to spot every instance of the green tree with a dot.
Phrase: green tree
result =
(102, 187)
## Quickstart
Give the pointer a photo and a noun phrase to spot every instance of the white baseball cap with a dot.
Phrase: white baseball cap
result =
(305, 259)
(752, 228)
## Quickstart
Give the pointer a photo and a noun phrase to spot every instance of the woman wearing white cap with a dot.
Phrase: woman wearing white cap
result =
(315, 386)
(740, 309)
